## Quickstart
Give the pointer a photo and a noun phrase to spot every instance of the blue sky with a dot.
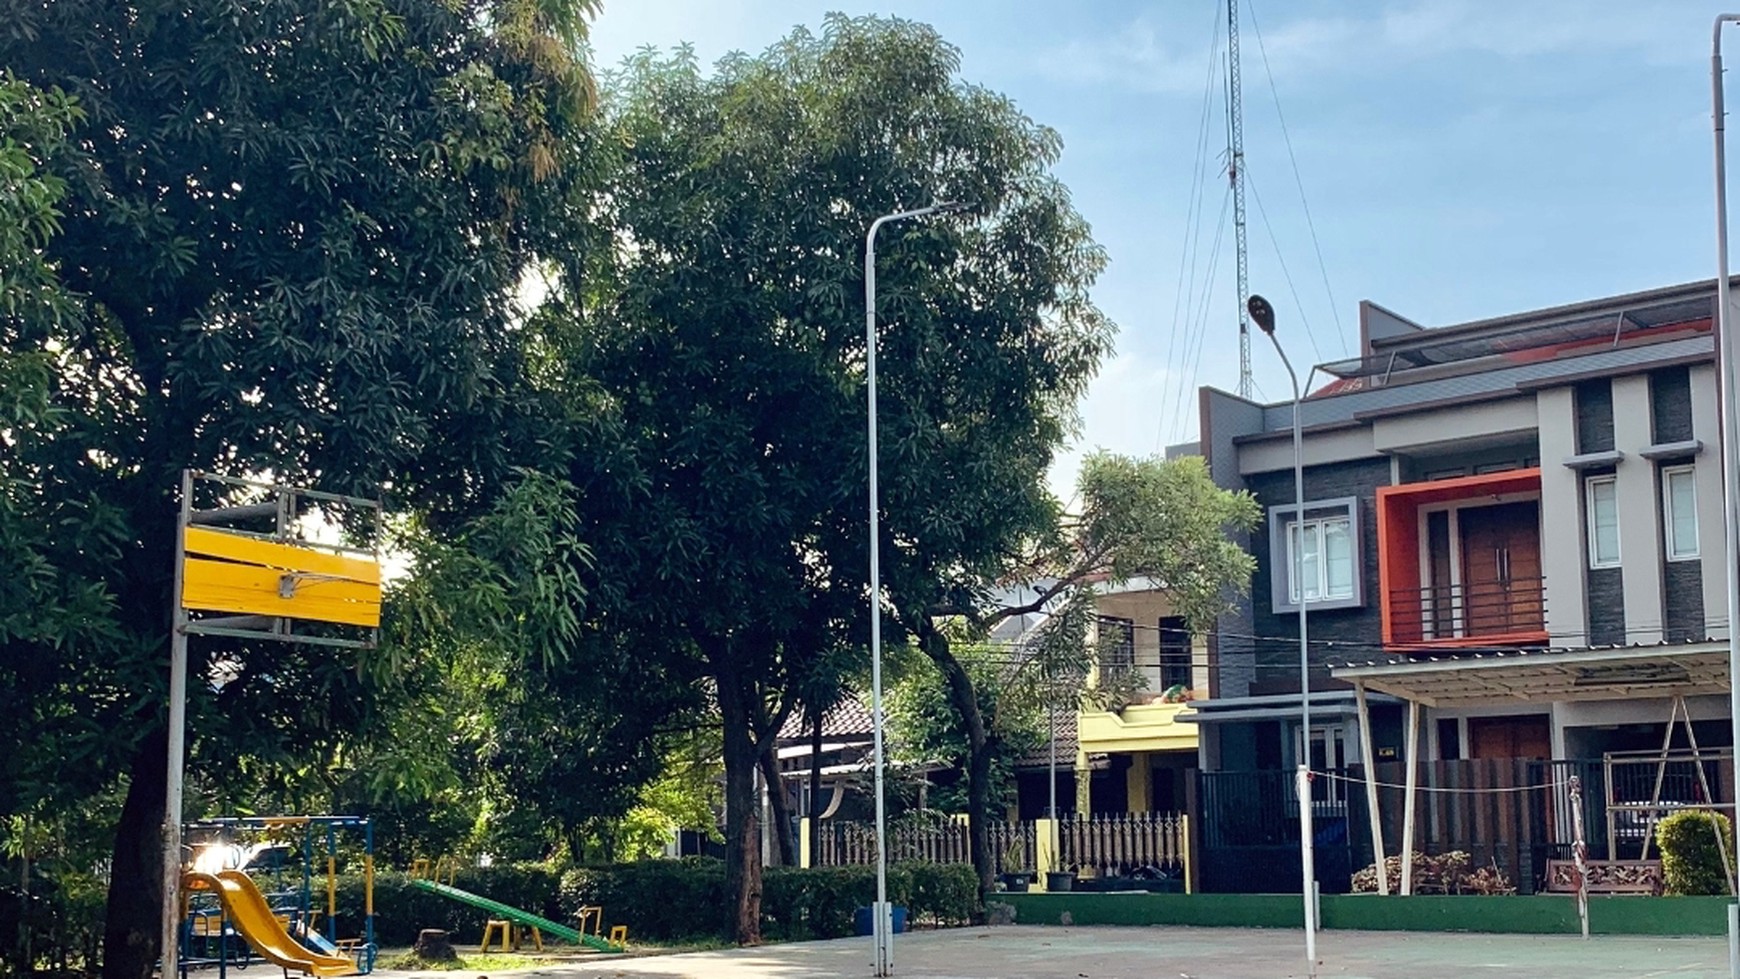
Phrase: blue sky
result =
(1460, 158)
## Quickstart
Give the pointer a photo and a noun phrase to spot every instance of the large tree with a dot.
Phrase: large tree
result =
(723, 315)
(1162, 520)
(290, 238)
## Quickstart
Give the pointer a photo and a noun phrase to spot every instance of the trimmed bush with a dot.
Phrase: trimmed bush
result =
(659, 900)
(672, 900)
(1691, 859)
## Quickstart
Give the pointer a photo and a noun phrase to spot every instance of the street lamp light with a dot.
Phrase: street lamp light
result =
(1263, 314)
(1725, 385)
(882, 914)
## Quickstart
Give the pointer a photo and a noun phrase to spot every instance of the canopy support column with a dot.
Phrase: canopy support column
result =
(1371, 793)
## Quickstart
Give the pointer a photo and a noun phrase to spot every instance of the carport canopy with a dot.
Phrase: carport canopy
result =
(1599, 673)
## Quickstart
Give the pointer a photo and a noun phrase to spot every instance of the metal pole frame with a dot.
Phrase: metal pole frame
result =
(882, 914)
(1730, 422)
(177, 737)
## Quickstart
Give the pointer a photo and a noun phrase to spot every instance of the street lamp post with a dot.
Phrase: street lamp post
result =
(1264, 316)
(882, 914)
(1725, 384)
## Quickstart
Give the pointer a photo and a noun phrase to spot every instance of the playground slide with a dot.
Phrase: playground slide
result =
(250, 915)
(517, 916)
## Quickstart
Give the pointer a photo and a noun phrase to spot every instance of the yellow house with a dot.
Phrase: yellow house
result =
(1133, 756)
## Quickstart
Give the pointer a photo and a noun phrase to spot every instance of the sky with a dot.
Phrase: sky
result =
(1448, 159)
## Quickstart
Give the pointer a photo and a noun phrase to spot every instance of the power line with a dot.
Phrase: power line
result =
(1298, 305)
(1183, 294)
(1298, 181)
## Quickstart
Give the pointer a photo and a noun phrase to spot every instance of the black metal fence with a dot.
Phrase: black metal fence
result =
(1484, 608)
(1250, 833)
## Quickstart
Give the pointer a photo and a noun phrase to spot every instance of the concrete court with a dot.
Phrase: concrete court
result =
(1030, 952)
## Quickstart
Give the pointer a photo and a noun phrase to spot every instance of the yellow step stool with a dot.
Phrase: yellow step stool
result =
(510, 938)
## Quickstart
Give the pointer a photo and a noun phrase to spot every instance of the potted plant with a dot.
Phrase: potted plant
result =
(1015, 881)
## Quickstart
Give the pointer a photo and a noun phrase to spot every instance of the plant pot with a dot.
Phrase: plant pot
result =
(1015, 883)
(1056, 881)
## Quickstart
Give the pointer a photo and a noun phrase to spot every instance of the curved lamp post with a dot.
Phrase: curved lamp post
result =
(882, 914)
(1263, 314)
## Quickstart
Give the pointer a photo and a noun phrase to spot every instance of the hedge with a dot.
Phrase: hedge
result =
(662, 900)
(1691, 853)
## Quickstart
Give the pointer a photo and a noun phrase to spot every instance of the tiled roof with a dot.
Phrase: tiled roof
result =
(850, 718)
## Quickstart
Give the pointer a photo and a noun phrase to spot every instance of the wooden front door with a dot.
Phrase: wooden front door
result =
(1501, 569)
(1528, 736)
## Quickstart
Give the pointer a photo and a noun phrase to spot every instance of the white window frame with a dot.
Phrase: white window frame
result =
(1689, 471)
(1596, 561)
(1280, 557)
(1318, 526)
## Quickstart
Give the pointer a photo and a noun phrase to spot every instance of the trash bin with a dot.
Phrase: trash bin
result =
(864, 924)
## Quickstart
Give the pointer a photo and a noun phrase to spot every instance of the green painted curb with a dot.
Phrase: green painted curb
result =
(1504, 914)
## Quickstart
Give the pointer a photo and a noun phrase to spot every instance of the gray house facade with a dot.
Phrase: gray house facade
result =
(1511, 544)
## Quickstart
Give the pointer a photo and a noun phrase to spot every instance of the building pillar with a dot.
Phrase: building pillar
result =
(1138, 782)
(1564, 551)
(1083, 785)
(1639, 510)
(1045, 850)
(805, 858)
(1712, 516)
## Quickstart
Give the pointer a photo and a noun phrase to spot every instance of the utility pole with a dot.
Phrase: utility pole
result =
(1235, 172)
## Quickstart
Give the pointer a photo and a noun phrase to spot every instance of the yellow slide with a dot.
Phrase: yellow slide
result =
(252, 916)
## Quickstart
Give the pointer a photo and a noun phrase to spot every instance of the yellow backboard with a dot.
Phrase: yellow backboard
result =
(241, 574)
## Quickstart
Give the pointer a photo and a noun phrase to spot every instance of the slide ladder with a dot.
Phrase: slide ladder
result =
(517, 916)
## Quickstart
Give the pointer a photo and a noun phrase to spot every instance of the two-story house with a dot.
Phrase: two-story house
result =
(1511, 545)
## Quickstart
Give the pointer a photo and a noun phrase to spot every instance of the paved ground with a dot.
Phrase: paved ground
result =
(1031, 952)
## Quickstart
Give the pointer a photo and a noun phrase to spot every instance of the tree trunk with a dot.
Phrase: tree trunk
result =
(132, 931)
(786, 853)
(965, 700)
(742, 836)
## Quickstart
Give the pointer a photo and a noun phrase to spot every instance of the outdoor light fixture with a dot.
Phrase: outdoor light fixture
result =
(882, 914)
(1264, 315)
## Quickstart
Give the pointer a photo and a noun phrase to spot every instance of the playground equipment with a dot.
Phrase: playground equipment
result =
(504, 917)
(247, 568)
(222, 902)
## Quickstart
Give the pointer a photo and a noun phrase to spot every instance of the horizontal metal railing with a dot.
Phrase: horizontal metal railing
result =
(1438, 613)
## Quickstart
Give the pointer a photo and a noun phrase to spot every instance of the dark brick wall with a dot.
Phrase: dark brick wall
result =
(1358, 630)
(1607, 606)
(1670, 402)
(1683, 601)
(1595, 416)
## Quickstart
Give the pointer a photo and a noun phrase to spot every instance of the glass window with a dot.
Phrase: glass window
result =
(1321, 551)
(1679, 497)
(1603, 517)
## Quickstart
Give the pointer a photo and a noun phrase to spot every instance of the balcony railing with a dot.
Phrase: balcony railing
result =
(1469, 612)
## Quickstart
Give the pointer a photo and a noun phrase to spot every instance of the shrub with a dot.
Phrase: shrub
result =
(659, 900)
(1691, 859)
(670, 900)
(1446, 873)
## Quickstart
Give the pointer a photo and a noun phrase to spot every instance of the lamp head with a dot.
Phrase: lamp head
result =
(953, 207)
(1262, 313)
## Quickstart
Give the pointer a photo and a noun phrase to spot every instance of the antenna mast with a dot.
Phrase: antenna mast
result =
(1235, 172)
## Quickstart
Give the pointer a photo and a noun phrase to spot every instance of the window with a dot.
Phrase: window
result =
(1679, 517)
(1327, 544)
(1321, 550)
(1117, 645)
(1603, 518)
(1174, 653)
